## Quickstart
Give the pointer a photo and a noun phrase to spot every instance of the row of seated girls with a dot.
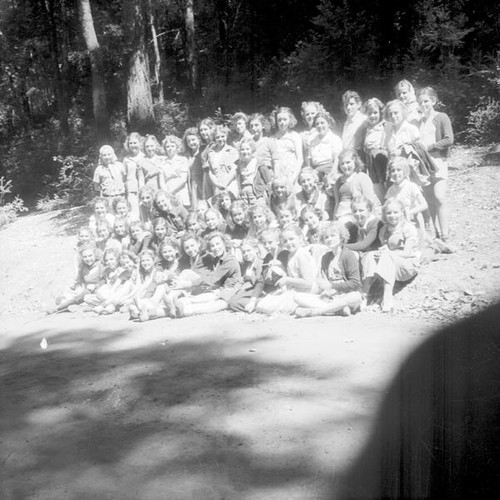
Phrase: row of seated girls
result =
(297, 223)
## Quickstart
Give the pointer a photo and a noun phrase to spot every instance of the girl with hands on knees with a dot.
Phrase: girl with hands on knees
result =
(407, 192)
(148, 299)
(397, 259)
(339, 284)
(367, 226)
(300, 274)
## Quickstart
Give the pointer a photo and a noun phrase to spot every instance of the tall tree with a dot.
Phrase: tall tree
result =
(154, 39)
(58, 52)
(140, 112)
(191, 49)
(99, 101)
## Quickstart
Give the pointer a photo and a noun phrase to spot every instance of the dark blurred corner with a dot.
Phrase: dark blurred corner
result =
(437, 434)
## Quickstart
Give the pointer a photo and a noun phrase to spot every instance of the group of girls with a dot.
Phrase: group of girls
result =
(301, 223)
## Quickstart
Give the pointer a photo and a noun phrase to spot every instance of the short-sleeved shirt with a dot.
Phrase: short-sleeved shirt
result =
(110, 179)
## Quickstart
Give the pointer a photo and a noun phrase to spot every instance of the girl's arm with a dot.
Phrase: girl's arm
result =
(350, 268)
(336, 199)
(410, 248)
(140, 176)
(367, 241)
(213, 179)
(299, 155)
(306, 281)
(444, 124)
(180, 177)
(419, 204)
(337, 147)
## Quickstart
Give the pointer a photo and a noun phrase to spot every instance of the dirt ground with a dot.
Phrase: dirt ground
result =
(226, 406)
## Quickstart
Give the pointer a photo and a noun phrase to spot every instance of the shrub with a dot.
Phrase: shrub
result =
(74, 183)
(484, 122)
(171, 117)
(9, 211)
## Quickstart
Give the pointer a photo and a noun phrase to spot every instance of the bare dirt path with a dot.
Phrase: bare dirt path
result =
(226, 406)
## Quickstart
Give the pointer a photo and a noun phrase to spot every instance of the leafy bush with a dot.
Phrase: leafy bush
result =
(73, 185)
(172, 117)
(9, 211)
(484, 122)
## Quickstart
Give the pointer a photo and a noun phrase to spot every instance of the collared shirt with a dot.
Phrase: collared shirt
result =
(110, 179)
(224, 272)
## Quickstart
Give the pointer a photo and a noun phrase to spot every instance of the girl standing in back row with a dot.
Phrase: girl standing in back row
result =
(436, 133)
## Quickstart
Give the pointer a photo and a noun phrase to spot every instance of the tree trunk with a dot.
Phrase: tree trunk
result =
(191, 50)
(158, 79)
(99, 101)
(59, 68)
(139, 99)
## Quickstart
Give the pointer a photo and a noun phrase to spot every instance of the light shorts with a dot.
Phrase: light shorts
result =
(442, 171)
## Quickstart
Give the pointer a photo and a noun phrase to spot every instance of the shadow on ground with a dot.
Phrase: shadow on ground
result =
(70, 220)
(85, 420)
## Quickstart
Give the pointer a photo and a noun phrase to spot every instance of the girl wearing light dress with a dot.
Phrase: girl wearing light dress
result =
(151, 165)
(221, 165)
(289, 143)
(175, 171)
(132, 163)
(325, 147)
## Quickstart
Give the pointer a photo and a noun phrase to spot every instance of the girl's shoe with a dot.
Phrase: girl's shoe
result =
(346, 311)
(302, 312)
(387, 306)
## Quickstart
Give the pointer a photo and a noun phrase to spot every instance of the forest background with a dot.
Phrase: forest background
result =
(75, 74)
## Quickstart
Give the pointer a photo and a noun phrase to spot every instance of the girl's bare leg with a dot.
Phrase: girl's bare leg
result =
(388, 299)
(441, 209)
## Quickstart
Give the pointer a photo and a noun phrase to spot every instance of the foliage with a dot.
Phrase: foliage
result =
(9, 211)
(74, 183)
(172, 117)
(484, 122)
(250, 56)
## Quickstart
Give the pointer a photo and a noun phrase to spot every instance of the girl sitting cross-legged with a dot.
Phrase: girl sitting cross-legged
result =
(147, 301)
(299, 266)
(339, 284)
(220, 278)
